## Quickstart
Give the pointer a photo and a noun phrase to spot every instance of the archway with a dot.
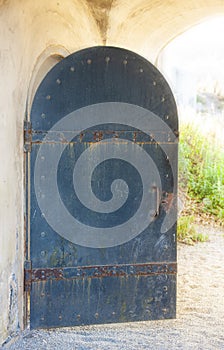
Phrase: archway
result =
(27, 29)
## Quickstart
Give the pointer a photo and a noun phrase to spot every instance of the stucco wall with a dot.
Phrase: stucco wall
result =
(31, 31)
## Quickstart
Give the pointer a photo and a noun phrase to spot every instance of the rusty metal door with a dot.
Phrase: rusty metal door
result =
(101, 147)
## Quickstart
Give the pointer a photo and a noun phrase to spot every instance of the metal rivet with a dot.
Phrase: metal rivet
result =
(113, 313)
(42, 253)
(165, 288)
(72, 69)
(42, 295)
(42, 318)
(78, 316)
(60, 317)
(43, 234)
(125, 62)
(167, 116)
(48, 97)
(107, 59)
(154, 83)
(58, 81)
(141, 70)
(96, 315)
(43, 115)
(42, 215)
(89, 61)
(163, 99)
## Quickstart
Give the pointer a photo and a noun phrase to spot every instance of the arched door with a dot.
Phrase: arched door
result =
(102, 192)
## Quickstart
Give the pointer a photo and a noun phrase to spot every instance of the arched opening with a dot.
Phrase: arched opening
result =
(193, 64)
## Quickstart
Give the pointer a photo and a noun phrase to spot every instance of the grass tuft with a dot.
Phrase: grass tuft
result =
(187, 233)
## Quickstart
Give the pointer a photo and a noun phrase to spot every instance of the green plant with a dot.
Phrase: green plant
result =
(186, 231)
(201, 170)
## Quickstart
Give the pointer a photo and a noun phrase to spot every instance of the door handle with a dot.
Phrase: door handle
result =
(156, 200)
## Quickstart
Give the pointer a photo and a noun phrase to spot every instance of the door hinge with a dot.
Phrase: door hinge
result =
(27, 136)
(27, 275)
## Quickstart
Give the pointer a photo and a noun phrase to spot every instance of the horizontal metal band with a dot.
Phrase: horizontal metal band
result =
(92, 136)
(67, 273)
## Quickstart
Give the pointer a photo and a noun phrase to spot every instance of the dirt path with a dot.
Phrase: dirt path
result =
(200, 312)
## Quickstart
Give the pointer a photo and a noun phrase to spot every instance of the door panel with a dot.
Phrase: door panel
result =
(103, 173)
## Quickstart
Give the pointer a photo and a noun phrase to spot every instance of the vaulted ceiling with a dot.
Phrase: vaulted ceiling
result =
(147, 26)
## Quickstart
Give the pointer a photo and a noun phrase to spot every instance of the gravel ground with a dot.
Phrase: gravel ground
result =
(200, 312)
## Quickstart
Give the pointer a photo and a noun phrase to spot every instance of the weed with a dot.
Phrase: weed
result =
(186, 231)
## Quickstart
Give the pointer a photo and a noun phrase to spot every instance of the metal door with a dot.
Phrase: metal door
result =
(101, 147)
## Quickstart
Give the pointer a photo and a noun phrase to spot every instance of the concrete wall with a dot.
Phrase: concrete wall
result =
(30, 31)
(34, 34)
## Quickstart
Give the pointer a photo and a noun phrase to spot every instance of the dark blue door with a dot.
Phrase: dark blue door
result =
(102, 193)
